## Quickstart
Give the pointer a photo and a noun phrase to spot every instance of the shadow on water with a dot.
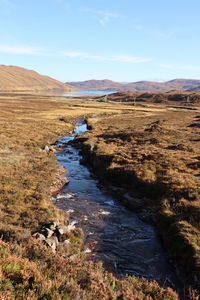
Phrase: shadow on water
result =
(113, 234)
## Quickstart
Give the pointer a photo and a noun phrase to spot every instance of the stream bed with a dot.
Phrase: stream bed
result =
(114, 235)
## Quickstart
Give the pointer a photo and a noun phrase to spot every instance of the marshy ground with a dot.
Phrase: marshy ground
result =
(150, 151)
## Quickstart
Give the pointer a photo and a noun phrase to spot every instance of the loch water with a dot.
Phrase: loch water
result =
(88, 93)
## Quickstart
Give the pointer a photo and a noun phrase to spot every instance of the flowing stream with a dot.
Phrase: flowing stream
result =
(113, 234)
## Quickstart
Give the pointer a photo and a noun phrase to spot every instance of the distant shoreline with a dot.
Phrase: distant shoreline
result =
(82, 93)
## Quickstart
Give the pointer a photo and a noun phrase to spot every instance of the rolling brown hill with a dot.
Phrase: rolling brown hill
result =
(97, 85)
(195, 89)
(14, 78)
(142, 86)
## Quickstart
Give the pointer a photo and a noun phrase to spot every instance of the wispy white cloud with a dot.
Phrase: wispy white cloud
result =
(183, 67)
(152, 32)
(75, 54)
(162, 34)
(138, 27)
(103, 17)
(20, 50)
(116, 58)
(29, 50)
(130, 58)
(106, 17)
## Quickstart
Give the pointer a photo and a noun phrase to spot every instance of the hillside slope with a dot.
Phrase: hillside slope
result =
(143, 86)
(173, 97)
(17, 78)
(97, 84)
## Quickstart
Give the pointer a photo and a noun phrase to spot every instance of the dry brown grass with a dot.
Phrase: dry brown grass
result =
(29, 270)
(17, 78)
(175, 97)
(27, 124)
(156, 155)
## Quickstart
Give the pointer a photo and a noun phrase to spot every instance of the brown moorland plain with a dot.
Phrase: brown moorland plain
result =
(153, 154)
(16, 78)
(28, 269)
(171, 98)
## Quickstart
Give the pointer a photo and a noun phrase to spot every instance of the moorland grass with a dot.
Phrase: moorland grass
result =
(154, 155)
(28, 269)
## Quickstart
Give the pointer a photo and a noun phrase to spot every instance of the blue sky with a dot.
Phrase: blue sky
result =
(122, 40)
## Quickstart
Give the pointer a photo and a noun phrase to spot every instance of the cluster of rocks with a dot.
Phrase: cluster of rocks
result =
(54, 234)
(49, 149)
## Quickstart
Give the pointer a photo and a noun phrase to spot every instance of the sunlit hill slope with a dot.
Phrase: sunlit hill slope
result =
(20, 79)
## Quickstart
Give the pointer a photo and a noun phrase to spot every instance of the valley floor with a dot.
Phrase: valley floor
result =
(155, 149)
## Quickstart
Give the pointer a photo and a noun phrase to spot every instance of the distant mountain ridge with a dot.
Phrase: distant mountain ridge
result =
(140, 86)
(14, 78)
